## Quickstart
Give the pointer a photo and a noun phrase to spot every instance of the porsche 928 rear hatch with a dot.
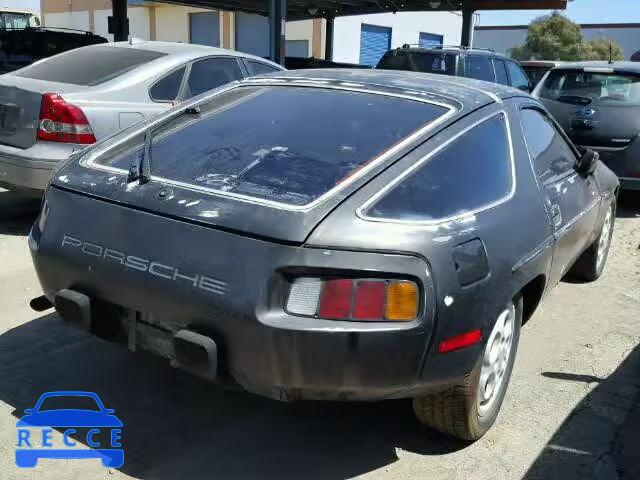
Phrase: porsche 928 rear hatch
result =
(266, 159)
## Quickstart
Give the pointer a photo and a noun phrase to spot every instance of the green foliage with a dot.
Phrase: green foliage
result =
(598, 49)
(555, 37)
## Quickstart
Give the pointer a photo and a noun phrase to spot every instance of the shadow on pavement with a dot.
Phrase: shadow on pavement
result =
(17, 212)
(177, 426)
(587, 444)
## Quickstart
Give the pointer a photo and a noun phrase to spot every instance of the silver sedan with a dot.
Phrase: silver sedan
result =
(61, 104)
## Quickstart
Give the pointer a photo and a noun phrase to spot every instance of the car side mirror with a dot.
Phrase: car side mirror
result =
(587, 162)
(28, 411)
(109, 411)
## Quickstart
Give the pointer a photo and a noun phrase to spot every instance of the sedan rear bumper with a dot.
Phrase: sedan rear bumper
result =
(30, 169)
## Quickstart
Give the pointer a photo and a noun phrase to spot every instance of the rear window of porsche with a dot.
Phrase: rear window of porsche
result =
(282, 144)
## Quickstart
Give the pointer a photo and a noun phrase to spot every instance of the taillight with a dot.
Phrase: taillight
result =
(354, 299)
(62, 122)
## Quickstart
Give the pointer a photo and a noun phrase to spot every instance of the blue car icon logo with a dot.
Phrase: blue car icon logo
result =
(35, 437)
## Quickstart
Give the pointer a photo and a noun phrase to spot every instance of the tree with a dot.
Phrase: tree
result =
(555, 37)
(603, 49)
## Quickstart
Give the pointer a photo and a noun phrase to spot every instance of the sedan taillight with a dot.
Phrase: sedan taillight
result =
(354, 299)
(62, 122)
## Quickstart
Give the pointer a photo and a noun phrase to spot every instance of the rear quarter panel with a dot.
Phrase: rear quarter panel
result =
(516, 235)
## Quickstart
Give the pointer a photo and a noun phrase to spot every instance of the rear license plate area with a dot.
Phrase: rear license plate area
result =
(9, 114)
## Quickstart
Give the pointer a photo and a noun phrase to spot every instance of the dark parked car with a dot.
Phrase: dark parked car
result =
(536, 69)
(480, 64)
(22, 47)
(598, 105)
(296, 63)
(330, 234)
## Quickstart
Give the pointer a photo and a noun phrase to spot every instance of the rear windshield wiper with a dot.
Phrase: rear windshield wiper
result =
(575, 100)
(140, 168)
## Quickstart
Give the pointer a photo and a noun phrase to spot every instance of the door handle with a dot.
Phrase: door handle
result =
(556, 215)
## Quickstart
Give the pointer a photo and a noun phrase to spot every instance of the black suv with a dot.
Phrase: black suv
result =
(480, 64)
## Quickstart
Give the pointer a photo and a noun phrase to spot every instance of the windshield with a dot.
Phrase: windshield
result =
(592, 88)
(69, 402)
(429, 62)
(16, 21)
(283, 144)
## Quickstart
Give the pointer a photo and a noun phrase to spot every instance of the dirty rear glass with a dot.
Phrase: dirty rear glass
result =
(428, 62)
(284, 144)
(89, 66)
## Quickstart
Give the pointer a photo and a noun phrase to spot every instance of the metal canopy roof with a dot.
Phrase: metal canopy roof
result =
(304, 9)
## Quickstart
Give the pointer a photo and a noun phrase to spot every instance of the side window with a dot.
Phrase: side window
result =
(470, 173)
(519, 79)
(551, 155)
(257, 68)
(167, 88)
(212, 73)
(479, 67)
(501, 72)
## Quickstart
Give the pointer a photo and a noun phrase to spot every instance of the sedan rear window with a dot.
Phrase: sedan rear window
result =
(284, 144)
(428, 62)
(89, 66)
(592, 88)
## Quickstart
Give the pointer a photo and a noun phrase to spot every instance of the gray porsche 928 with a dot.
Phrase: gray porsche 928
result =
(335, 234)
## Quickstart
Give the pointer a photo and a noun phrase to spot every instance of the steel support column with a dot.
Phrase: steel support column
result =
(467, 25)
(328, 39)
(277, 25)
(118, 23)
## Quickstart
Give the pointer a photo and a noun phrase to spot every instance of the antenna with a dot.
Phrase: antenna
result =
(610, 52)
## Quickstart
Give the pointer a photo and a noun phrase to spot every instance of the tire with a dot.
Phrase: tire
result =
(460, 411)
(591, 263)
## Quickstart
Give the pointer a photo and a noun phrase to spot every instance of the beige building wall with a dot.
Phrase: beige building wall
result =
(163, 21)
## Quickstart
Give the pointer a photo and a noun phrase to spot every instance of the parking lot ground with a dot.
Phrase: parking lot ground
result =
(571, 412)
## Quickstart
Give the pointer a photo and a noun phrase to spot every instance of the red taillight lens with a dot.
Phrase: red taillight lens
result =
(62, 122)
(369, 300)
(336, 299)
(354, 299)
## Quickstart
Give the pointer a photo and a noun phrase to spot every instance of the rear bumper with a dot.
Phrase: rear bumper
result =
(257, 344)
(31, 168)
(625, 163)
(630, 183)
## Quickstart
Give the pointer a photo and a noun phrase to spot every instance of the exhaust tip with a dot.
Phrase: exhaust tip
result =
(40, 304)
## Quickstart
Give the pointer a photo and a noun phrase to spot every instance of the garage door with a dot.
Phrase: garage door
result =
(252, 34)
(296, 48)
(374, 42)
(204, 28)
(430, 39)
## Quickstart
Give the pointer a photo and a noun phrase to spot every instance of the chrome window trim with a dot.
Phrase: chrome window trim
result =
(360, 212)
(90, 160)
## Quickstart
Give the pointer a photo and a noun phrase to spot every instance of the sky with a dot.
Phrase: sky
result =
(579, 11)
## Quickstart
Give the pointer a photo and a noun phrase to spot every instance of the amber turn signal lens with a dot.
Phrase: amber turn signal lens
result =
(402, 301)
